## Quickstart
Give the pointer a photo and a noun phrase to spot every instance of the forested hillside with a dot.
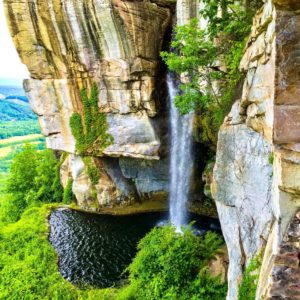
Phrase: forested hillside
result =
(18, 125)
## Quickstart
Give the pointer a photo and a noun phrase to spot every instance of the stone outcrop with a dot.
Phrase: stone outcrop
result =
(284, 279)
(68, 45)
(71, 44)
(256, 175)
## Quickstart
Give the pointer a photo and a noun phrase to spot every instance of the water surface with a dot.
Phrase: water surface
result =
(95, 249)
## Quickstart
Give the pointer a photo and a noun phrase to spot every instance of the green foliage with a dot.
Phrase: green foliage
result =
(33, 179)
(28, 263)
(92, 171)
(271, 158)
(10, 143)
(168, 265)
(210, 59)
(248, 286)
(20, 128)
(173, 266)
(15, 110)
(68, 196)
(90, 131)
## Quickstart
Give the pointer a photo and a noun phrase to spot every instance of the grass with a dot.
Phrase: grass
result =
(28, 263)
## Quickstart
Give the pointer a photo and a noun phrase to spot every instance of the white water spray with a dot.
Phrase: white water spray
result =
(181, 162)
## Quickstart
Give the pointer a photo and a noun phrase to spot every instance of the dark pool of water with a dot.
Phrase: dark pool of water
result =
(95, 249)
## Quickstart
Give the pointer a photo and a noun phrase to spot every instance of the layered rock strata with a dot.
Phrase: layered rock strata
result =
(256, 184)
(71, 44)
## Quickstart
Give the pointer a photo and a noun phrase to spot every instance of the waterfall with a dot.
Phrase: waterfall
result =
(181, 162)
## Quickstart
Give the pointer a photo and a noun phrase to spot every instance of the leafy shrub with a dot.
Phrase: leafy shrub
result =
(173, 266)
(11, 208)
(210, 60)
(33, 179)
(90, 132)
(248, 286)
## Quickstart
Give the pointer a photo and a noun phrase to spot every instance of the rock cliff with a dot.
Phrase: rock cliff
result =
(69, 45)
(256, 184)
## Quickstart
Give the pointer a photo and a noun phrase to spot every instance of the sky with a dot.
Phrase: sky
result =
(12, 71)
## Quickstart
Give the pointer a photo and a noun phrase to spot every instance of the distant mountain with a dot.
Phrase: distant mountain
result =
(14, 104)
(8, 90)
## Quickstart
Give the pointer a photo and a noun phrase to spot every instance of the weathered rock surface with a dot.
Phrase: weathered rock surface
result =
(242, 184)
(218, 265)
(256, 176)
(68, 45)
(286, 269)
(242, 190)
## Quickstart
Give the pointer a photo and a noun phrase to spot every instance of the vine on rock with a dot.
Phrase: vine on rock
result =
(90, 131)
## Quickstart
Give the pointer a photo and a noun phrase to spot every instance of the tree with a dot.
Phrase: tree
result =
(46, 187)
(173, 266)
(33, 179)
(209, 60)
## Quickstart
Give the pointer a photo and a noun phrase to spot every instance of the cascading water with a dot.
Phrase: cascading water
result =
(181, 162)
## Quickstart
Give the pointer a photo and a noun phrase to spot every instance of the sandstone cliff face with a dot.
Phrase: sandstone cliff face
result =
(68, 45)
(256, 184)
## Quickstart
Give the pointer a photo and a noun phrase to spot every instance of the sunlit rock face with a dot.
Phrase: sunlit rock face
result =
(68, 45)
(257, 170)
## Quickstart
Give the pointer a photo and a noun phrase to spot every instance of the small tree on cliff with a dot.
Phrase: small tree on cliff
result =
(210, 60)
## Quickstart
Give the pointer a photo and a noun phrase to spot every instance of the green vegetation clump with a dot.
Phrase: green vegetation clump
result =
(271, 158)
(173, 266)
(167, 266)
(20, 128)
(28, 263)
(68, 196)
(16, 142)
(248, 286)
(33, 179)
(13, 109)
(209, 58)
(92, 171)
(90, 131)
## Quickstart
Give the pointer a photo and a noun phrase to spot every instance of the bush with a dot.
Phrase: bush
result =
(173, 266)
(33, 179)
(210, 60)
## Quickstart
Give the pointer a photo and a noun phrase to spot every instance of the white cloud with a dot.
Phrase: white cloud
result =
(10, 64)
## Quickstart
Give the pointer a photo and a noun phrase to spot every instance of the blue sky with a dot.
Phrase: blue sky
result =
(12, 71)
